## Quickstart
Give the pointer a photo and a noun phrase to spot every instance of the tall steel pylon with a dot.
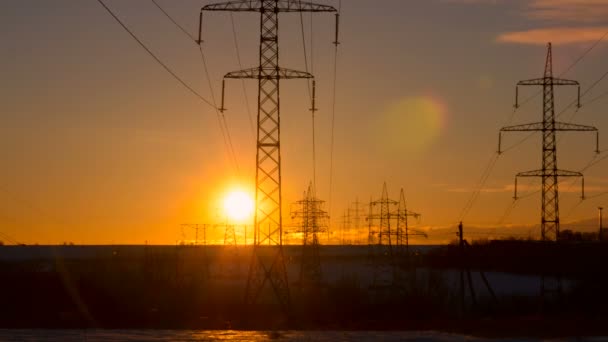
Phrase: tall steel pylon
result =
(549, 172)
(312, 222)
(268, 264)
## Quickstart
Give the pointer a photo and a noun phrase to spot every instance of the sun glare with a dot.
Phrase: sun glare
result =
(238, 206)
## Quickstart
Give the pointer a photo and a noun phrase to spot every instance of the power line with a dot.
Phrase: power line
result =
(596, 43)
(221, 118)
(572, 65)
(563, 111)
(238, 58)
(174, 21)
(310, 95)
(490, 166)
(161, 63)
(333, 112)
(477, 190)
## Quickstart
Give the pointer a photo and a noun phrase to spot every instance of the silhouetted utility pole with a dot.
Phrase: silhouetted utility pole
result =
(461, 247)
(268, 264)
(601, 232)
(549, 171)
(465, 268)
(313, 221)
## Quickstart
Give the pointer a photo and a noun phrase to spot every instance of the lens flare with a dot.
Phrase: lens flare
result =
(412, 123)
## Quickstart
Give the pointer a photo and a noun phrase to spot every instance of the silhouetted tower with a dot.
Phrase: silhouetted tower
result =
(203, 252)
(355, 212)
(230, 235)
(549, 172)
(229, 265)
(268, 264)
(312, 222)
(381, 243)
(197, 227)
(346, 222)
(403, 232)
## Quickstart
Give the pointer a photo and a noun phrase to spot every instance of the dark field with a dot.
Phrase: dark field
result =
(188, 287)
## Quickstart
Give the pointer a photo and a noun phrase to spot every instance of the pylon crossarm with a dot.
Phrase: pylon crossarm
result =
(564, 173)
(564, 126)
(269, 73)
(534, 173)
(536, 126)
(563, 82)
(235, 6)
(259, 5)
(262, 6)
(547, 81)
(532, 82)
(550, 80)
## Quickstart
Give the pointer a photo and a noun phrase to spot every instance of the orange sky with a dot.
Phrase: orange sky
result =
(101, 146)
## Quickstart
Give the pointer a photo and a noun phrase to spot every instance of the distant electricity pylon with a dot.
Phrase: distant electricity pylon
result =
(403, 230)
(196, 227)
(388, 231)
(312, 222)
(204, 256)
(268, 264)
(549, 171)
(354, 214)
(230, 235)
(230, 266)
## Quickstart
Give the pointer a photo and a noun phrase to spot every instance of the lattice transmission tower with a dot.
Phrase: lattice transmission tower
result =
(381, 234)
(403, 231)
(549, 172)
(389, 234)
(312, 222)
(230, 235)
(354, 213)
(268, 264)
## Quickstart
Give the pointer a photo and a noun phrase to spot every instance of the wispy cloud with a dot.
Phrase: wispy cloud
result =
(578, 11)
(558, 21)
(557, 35)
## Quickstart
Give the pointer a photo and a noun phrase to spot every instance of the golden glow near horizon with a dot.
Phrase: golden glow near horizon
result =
(238, 206)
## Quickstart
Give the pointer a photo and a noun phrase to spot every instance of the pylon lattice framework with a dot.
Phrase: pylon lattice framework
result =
(388, 231)
(549, 172)
(312, 222)
(268, 266)
(353, 219)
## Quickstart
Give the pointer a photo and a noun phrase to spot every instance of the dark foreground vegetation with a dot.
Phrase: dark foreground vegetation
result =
(189, 287)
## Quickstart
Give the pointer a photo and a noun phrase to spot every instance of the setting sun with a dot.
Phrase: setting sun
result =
(238, 205)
